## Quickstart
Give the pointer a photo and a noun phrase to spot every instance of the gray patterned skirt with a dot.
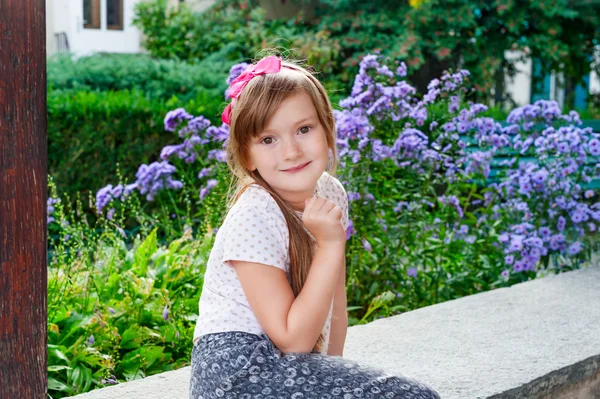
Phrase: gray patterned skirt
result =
(241, 365)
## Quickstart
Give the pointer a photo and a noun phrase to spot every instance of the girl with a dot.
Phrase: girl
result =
(273, 318)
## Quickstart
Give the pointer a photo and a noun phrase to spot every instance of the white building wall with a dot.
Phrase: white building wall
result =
(594, 78)
(519, 86)
(195, 5)
(67, 16)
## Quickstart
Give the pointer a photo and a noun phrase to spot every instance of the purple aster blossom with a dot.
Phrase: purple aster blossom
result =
(350, 230)
(380, 150)
(560, 225)
(574, 248)
(168, 151)
(196, 125)
(204, 172)
(579, 216)
(50, 208)
(206, 190)
(412, 272)
(401, 71)
(594, 147)
(110, 380)
(544, 232)
(454, 104)
(174, 118)
(366, 245)
(534, 242)
(479, 162)
(157, 176)
(516, 243)
(122, 232)
(453, 201)
(556, 240)
(220, 133)
(219, 155)
(103, 198)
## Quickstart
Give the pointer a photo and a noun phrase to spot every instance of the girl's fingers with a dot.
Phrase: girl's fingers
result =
(308, 203)
(318, 204)
(328, 206)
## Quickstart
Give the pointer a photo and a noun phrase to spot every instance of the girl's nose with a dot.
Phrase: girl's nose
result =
(292, 149)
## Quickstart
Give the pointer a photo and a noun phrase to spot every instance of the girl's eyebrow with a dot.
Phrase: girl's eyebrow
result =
(303, 120)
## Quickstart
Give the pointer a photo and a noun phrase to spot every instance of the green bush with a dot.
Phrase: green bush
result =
(117, 311)
(157, 79)
(90, 132)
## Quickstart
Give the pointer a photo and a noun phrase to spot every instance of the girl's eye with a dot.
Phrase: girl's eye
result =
(305, 129)
(267, 138)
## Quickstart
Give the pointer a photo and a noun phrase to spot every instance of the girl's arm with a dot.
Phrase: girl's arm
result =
(339, 317)
(293, 324)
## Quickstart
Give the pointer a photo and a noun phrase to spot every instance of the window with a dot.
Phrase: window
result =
(114, 14)
(91, 14)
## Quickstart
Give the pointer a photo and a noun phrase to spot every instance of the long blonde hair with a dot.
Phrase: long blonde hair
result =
(255, 106)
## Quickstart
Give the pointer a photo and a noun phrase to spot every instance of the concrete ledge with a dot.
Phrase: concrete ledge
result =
(539, 339)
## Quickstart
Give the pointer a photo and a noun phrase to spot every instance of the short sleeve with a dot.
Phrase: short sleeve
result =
(255, 235)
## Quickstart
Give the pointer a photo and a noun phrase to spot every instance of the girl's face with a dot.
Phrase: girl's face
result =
(293, 137)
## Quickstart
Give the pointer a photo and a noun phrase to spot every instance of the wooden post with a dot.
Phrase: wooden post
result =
(23, 191)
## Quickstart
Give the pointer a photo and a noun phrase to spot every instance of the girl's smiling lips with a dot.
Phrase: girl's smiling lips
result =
(296, 169)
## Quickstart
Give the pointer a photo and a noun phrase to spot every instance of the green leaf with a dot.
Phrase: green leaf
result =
(55, 385)
(58, 367)
(143, 254)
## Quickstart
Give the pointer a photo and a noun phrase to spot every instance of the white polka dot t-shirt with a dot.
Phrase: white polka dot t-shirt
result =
(254, 230)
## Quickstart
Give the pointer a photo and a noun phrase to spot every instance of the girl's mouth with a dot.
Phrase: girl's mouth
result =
(297, 169)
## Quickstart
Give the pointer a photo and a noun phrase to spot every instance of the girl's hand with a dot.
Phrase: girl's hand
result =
(322, 218)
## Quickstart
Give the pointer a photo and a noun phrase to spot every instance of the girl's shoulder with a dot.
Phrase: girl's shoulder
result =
(255, 200)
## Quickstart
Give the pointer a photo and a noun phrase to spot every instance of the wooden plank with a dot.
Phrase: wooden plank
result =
(23, 207)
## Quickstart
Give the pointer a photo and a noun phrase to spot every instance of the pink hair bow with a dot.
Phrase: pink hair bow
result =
(270, 64)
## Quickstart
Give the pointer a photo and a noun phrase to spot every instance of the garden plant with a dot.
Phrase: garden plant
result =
(430, 222)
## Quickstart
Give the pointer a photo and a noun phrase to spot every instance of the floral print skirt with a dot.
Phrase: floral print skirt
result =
(241, 365)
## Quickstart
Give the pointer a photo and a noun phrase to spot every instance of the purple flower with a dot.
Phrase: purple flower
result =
(90, 340)
(574, 248)
(204, 172)
(50, 208)
(165, 313)
(594, 147)
(350, 230)
(516, 244)
(174, 117)
(111, 380)
(366, 245)
(560, 226)
(412, 272)
(122, 232)
(206, 190)
(156, 177)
